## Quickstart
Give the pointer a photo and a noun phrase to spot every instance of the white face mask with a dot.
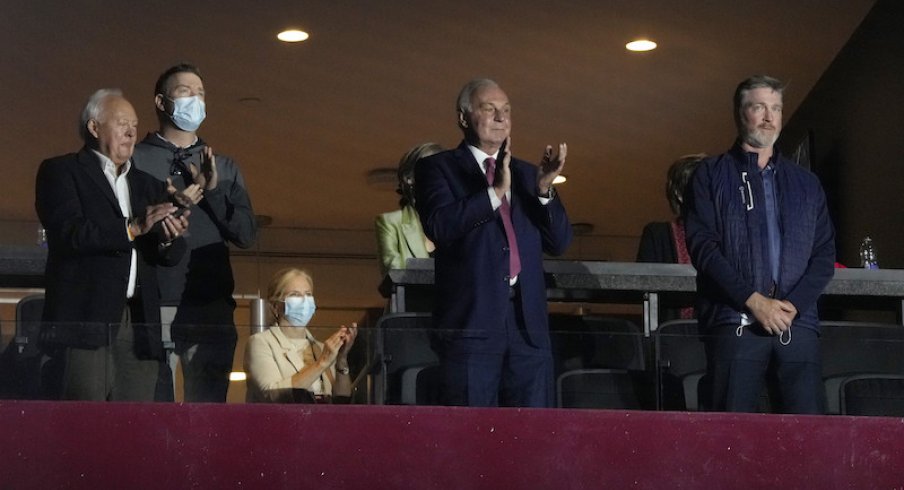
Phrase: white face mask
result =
(299, 310)
(188, 112)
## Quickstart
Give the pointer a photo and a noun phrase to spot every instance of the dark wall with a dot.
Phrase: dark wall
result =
(854, 117)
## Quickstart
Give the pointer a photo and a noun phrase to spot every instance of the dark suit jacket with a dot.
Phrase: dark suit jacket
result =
(89, 254)
(472, 256)
(656, 244)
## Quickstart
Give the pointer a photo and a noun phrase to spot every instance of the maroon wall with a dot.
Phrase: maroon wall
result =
(110, 445)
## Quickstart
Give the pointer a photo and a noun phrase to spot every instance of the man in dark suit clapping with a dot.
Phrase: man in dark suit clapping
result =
(108, 225)
(492, 217)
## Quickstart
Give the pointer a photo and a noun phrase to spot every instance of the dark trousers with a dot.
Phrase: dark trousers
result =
(740, 364)
(205, 338)
(114, 372)
(205, 368)
(502, 369)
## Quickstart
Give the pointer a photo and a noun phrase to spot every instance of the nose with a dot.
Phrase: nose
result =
(500, 115)
(767, 114)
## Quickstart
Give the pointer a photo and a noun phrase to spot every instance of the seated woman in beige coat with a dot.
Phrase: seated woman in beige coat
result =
(286, 364)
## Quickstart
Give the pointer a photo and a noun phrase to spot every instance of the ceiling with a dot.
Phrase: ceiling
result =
(308, 121)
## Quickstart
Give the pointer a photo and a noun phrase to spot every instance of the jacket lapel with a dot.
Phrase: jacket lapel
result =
(469, 166)
(91, 165)
(411, 233)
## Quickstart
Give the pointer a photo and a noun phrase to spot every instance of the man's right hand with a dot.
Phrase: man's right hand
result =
(154, 214)
(187, 197)
(774, 315)
(503, 179)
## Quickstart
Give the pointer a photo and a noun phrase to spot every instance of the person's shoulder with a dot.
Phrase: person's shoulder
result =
(151, 143)
(266, 337)
(655, 227)
(390, 217)
(60, 159)
(439, 157)
(715, 164)
(68, 163)
(227, 166)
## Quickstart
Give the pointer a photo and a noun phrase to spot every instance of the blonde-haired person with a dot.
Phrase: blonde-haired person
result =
(399, 233)
(285, 363)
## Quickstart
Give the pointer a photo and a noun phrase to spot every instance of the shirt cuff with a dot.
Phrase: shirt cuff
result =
(494, 200)
(545, 200)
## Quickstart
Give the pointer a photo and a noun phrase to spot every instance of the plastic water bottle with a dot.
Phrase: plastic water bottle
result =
(42, 237)
(868, 259)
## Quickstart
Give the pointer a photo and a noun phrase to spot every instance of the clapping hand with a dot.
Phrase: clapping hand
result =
(550, 167)
(205, 174)
(348, 335)
(187, 197)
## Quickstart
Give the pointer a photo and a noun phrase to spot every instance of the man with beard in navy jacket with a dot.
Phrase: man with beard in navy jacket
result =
(759, 234)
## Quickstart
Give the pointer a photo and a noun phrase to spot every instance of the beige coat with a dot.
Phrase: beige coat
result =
(271, 359)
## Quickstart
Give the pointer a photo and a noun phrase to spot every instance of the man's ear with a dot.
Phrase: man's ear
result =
(91, 125)
(462, 122)
(159, 102)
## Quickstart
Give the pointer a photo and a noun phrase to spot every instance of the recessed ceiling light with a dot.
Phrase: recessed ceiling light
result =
(641, 45)
(292, 36)
(559, 179)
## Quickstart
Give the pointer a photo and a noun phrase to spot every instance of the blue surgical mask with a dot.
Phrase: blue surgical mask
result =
(299, 310)
(188, 112)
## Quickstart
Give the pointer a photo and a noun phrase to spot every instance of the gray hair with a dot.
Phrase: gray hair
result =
(463, 104)
(92, 110)
(754, 82)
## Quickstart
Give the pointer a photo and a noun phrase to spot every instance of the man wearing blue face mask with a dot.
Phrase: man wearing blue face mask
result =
(197, 294)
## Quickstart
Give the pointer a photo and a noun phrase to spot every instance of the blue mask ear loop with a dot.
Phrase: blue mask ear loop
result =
(781, 337)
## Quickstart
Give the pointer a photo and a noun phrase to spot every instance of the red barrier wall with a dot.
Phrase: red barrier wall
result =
(120, 445)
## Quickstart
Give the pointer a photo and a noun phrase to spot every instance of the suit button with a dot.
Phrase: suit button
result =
(505, 249)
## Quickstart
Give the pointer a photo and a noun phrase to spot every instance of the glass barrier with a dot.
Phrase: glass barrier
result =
(598, 362)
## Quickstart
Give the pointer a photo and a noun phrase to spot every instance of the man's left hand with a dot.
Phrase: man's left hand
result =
(174, 226)
(205, 174)
(550, 167)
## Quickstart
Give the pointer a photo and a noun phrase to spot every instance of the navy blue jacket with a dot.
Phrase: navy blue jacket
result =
(727, 243)
(472, 254)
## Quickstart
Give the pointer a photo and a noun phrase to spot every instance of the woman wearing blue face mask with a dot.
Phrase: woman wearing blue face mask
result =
(286, 364)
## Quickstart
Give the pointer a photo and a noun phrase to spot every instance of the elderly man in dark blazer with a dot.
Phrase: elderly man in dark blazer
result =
(108, 226)
(492, 217)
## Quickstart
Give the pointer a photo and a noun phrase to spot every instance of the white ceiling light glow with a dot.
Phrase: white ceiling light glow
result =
(641, 45)
(292, 36)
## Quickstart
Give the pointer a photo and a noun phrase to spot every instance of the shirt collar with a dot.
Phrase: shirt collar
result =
(108, 167)
(193, 143)
(480, 155)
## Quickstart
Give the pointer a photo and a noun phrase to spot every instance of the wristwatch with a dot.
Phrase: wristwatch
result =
(344, 370)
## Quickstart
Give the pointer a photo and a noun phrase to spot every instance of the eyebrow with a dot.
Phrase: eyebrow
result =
(181, 85)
